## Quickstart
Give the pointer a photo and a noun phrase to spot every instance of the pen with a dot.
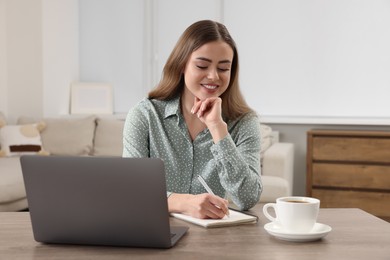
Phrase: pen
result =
(203, 182)
(208, 189)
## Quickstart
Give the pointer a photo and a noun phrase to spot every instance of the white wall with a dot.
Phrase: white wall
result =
(322, 58)
(60, 44)
(112, 48)
(24, 58)
(39, 43)
(3, 58)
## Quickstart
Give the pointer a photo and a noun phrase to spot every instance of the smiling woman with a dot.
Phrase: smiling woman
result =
(198, 123)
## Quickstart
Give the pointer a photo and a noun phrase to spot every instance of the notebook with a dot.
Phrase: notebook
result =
(99, 201)
(235, 218)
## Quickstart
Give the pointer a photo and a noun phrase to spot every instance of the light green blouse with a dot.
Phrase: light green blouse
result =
(156, 128)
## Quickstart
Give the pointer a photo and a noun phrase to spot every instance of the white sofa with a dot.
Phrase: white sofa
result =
(102, 136)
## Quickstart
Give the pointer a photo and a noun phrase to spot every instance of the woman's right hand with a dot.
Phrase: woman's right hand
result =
(199, 206)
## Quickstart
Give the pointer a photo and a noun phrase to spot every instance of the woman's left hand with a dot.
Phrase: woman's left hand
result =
(209, 111)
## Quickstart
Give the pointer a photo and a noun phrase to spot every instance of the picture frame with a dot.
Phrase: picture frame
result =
(91, 98)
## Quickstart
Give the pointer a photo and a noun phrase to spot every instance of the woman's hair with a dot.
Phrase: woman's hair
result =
(172, 81)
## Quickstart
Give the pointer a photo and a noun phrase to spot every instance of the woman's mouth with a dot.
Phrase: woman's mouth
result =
(209, 86)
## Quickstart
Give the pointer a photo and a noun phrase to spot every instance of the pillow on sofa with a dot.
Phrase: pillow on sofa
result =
(108, 137)
(67, 135)
(17, 140)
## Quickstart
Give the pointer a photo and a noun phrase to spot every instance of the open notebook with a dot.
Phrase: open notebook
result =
(235, 218)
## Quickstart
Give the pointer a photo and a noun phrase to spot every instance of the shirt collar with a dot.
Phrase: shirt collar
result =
(172, 107)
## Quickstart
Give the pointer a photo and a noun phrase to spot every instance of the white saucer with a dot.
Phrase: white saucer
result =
(319, 231)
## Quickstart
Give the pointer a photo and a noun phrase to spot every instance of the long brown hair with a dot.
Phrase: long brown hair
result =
(172, 81)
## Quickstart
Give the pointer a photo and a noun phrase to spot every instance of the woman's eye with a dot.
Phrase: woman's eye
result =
(205, 67)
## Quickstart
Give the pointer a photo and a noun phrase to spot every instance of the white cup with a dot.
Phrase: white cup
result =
(294, 214)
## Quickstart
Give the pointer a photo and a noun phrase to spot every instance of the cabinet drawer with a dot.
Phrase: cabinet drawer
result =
(353, 149)
(376, 203)
(351, 176)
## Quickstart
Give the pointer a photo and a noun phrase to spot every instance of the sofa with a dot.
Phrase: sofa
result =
(92, 135)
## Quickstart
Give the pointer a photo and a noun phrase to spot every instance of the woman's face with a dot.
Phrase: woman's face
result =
(207, 71)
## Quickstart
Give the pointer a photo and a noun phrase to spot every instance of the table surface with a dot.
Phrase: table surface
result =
(355, 234)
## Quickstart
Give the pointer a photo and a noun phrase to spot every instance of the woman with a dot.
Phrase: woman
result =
(198, 123)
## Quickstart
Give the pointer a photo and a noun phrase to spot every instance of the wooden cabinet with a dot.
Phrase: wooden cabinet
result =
(350, 169)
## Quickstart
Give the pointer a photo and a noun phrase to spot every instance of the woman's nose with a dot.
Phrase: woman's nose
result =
(212, 74)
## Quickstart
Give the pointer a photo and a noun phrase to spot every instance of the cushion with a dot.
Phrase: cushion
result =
(67, 135)
(108, 137)
(17, 140)
(265, 139)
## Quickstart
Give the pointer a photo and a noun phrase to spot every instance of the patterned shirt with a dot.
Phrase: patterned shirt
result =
(231, 167)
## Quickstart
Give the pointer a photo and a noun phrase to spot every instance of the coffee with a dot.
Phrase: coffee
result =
(297, 201)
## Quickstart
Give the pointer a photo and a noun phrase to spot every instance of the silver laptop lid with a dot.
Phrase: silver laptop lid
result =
(98, 201)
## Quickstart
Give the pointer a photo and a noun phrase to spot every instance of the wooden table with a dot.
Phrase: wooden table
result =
(355, 235)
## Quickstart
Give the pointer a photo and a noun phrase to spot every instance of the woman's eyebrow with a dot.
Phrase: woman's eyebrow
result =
(208, 60)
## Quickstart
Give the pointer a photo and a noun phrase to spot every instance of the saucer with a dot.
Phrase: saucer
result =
(319, 231)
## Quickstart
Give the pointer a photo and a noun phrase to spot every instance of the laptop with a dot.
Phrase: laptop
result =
(109, 201)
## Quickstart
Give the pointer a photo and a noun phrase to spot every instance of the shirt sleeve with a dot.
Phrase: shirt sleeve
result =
(136, 133)
(238, 163)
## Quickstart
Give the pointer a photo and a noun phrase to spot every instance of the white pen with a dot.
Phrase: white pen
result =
(203, 182)
(209, 190)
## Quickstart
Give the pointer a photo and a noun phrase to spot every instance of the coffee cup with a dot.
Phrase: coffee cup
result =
(294, 214)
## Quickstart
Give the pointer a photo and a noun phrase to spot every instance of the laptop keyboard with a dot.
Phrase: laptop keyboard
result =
(173, 234)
